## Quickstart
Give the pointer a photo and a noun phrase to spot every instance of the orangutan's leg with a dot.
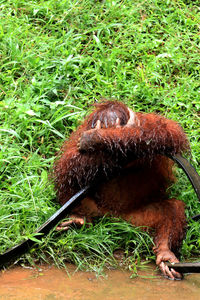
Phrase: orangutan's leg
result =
(167, 218)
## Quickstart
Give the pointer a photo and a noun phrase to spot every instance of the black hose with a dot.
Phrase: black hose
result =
(16, 251)
(192, 175)
(185, 267)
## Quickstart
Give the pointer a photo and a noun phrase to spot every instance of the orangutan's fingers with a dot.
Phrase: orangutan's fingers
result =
(177, 275)
(132, 118)
(117, 123)
(60, 228)
(98, 124)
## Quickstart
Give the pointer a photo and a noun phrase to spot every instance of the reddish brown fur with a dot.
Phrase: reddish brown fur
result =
(130, 167)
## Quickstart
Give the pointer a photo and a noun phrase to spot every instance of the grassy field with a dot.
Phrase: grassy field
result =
(59, 57)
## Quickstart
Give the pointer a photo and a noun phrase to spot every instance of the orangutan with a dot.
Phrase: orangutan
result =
(124, 155)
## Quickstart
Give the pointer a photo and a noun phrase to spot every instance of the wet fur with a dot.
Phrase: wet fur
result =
(129, 168)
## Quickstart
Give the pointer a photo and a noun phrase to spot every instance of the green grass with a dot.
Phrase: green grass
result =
(57, 58)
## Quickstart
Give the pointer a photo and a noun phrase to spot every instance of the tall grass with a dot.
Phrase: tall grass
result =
(57, 58)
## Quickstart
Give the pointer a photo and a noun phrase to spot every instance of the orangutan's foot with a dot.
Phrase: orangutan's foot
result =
(162, 257)
(64, 226)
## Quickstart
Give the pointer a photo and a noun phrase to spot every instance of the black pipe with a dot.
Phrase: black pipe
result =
(185, 267)
(16, 251)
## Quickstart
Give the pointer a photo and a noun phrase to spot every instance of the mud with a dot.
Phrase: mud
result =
(50, 283)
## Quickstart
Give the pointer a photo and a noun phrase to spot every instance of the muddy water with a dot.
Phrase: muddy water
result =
(49, 283)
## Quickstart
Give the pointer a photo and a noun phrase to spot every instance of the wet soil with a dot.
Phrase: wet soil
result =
(49, 283)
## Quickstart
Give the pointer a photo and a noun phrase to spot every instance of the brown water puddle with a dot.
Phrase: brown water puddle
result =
(50, 283)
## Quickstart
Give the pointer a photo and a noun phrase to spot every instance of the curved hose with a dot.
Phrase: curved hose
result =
(21, 248)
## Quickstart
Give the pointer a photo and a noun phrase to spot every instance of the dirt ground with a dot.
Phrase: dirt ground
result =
(49, 283)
